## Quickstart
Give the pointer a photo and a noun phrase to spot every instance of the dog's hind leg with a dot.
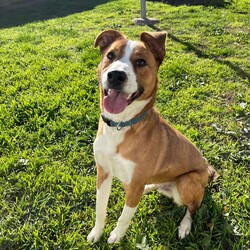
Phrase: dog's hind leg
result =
(104, 181)
(191, 188)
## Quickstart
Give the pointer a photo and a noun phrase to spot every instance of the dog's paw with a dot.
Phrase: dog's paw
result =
(94, 235)
(184, 228)
(115, 237)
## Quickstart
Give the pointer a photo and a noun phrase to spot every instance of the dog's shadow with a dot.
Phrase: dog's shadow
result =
(211, 228)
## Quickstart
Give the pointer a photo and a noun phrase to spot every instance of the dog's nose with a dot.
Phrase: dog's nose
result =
(116, 78)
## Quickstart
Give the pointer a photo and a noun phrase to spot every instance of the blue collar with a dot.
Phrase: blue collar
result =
(120, 125)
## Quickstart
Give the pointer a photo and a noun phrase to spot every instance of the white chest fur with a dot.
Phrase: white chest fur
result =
(105, 150)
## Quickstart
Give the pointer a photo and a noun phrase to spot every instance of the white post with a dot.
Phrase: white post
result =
(144, 20)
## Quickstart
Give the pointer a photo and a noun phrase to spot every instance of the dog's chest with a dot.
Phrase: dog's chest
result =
(106, 155)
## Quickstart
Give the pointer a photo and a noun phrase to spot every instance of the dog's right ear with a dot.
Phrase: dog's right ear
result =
(105, 38)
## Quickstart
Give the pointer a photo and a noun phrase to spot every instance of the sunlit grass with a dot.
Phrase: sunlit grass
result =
(49, 108)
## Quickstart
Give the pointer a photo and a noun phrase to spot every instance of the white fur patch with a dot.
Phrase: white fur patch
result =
(149, 188)
(105, 149)
(168, 189)
(185, 226)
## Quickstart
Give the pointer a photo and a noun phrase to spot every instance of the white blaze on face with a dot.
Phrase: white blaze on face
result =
(131, 85)
(124, 64)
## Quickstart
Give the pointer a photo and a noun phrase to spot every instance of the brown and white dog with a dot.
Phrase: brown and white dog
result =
(133, 142)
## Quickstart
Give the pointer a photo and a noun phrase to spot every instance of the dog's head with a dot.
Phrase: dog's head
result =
(128, 71)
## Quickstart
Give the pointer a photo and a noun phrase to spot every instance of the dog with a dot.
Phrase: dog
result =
(133, 142)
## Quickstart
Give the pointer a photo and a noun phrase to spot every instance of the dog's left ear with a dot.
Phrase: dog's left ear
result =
(156, 43)
(105, 38)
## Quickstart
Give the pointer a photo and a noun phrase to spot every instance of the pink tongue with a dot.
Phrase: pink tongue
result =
(115, 102)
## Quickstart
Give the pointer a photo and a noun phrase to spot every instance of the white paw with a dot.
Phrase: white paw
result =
(94, 235)
(114, 237)
(184, 228)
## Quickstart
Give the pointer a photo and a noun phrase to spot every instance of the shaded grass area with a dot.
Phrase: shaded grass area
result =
(39, 10)
(49, 111)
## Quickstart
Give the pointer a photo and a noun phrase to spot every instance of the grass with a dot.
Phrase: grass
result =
(49, 113)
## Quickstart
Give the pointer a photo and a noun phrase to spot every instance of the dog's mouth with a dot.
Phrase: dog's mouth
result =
(116, 101)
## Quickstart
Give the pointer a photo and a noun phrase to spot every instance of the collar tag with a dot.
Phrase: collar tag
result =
(119, 127)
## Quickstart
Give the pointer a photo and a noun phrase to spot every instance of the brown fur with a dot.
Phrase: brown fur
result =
(162, 154)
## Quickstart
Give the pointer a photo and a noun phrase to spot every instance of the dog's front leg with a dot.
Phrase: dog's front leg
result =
(104, 181)
(133, 195)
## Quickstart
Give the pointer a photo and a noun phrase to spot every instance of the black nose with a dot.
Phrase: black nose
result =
(116, 79)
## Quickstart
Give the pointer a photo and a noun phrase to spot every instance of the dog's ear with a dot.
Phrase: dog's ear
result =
(156, 43)
(105, 38)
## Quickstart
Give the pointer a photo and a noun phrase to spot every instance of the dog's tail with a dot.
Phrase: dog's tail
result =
(212, 174)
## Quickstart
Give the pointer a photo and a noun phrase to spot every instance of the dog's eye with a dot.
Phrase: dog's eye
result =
(140, 63)
(111, 56)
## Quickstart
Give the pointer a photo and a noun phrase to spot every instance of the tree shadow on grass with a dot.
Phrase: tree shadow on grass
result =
(218, 3)
(202, 54)
(38, 10)
(240, 72)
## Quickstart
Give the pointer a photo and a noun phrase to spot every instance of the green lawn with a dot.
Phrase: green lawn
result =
(49, 113)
